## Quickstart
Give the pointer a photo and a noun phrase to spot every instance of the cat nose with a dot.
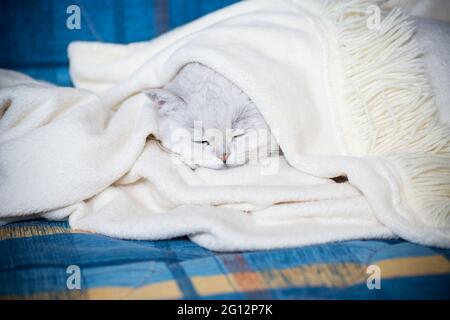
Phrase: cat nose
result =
(224, 157)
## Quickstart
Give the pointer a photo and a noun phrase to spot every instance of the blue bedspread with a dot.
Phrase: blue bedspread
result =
(34, 34)
(35, 257)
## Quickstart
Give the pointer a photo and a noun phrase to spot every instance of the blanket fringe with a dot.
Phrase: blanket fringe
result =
(390, 102)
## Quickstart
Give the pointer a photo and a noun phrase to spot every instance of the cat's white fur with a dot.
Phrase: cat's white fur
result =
(209, 121)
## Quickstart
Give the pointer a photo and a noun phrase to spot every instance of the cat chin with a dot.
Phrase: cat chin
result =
(234, 161)
(214, 166)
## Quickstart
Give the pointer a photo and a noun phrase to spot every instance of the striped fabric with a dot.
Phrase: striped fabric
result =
(35, 255)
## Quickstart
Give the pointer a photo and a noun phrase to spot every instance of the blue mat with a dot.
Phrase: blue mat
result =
(35, 257)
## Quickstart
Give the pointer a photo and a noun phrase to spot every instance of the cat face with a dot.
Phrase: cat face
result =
(213, 128)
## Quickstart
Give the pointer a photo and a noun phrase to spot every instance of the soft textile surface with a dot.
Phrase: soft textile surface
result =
(434, 40)
(332, 105)
(35, 257)
(436, 9)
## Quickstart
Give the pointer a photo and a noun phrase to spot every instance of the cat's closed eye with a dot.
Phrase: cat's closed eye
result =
(205, 142)
(238, 133)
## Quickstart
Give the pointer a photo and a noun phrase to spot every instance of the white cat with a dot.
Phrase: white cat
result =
(209, 121)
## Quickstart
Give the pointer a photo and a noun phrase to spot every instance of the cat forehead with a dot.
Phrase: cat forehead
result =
(217, 106)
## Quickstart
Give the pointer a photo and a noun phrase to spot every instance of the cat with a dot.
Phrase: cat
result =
(208, 121)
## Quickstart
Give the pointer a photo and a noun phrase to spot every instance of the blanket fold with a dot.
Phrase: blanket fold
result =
(342, 98)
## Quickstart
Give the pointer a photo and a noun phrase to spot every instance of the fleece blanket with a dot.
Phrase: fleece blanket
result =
(435, 9)
(344, 97)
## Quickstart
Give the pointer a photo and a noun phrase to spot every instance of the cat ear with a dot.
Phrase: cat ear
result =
(161, 97)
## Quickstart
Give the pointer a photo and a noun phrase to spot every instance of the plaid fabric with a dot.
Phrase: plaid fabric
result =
(35, 255)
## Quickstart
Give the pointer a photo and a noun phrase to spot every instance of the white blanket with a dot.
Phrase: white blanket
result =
(435, 9)
(345, 99)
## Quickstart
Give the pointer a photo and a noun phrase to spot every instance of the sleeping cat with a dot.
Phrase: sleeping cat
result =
(209, 121)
